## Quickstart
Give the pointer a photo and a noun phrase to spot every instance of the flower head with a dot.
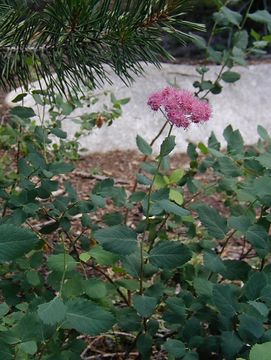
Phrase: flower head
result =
(181, 107)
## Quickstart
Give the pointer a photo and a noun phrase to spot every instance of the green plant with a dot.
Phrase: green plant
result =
(172, 288)
(241, 43)
(81, 274)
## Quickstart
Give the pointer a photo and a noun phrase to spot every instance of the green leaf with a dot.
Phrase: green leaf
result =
(167, 146)
(15, 242)
(231, 344)
(230, 76)
(233, 17)
(128, 319)
(59, 133)
(19, 97)
(143, 146)
(261, 308)
(117, 239)
(61, 262)
(52, 312)
(33, 277)
(175, 348)
(240, 223)
(22, 112)
(215, 224)
(236, 270)
(254, 286)
(225, 300)
(228, 167)
(144, 180)
(169, 255)
(213, 262)
(29, 347)
(4, 309)
(250, 328)
(203, 287)
(262, 186)
(144, 305)
(265, 160)
(260, 351)
(258, 238)
(60, 168)
(95, 288)
(144, 345)
(172, 208)
(240, 39)
(263, 133)
(261, 16)
(88, 318)
(176, 196)
(175, 311)
(176, 176)
(5, 352)
(102, 256)
(235, 142)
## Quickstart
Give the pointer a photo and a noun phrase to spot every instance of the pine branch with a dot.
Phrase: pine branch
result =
(67, 42)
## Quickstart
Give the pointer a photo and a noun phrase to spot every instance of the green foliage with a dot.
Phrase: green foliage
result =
(135, 271)
(72, 269)
(241, 40)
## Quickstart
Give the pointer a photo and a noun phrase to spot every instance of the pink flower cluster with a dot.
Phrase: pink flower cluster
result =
(181, 107)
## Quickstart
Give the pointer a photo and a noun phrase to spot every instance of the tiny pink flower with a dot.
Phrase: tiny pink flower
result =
(155, 101)
(181, 107)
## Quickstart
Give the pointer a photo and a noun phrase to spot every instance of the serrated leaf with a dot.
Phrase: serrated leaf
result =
(213, 262)
(175, 348)
(169, 255)
(15, 242)
(23, 112)
(258, 238)
(95, 288)
(240, 223)
(118, 239)
(265, 160)
(52, 312)
(4, 309)
(172, 208)
(144, 345)
(225, 300)
(260, 351)
(102, 256)
(143, 146)
(61, 262)
(203, 287)
(88, 318)
(231, 344)
(144, 305)
(250, 328)
(228, 167)
(236, 270)
(254, 286)
(29, 347)
(5, 352)
(233, 17)
(215, 224)
(167, 146)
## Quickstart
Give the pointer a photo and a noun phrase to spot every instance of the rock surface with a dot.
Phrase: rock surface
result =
(244, 104)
